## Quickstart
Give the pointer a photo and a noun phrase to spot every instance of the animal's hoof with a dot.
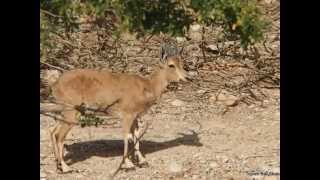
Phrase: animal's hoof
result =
(61, 171)
(128, 165)
(64, 169)
(143, 164)
(129, 169)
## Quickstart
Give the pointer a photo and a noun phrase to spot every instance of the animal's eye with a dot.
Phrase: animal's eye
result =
(171, 66)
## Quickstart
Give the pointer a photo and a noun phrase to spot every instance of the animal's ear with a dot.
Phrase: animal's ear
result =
(181, 51)
(163, 55)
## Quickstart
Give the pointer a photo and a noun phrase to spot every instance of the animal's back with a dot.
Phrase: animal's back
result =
(96, 87)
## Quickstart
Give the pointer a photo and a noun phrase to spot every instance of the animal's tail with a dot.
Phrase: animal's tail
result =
(50, 77)
(47, 79)
(50, 107)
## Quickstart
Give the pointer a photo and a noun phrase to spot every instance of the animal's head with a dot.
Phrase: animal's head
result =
(171, 62)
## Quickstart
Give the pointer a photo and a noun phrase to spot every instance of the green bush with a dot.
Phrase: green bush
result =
(241, 19)
(153, 16)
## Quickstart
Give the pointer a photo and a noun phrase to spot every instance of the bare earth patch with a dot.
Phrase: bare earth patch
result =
(187, 140)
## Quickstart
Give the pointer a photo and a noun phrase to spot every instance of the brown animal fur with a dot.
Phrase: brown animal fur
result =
(102, 88)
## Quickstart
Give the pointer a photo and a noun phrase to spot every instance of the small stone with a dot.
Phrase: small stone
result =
(181, 39)
(213, 48)
(43, 134)
(192, 73)
(212, 99)
(213, 164)
(227, 99)
(177, 102)
(195, 32)
(195, 177)
(201, 91)
(223, 158)
(269, 1)
(251, 106)
(276, 170)
(43, 174)
(270, 178)
(79, 175)
(256, 177)
(196, 155)
(50, 76)
(195, 27)
(222, 97)
(231, 102)
(175, 167)
(50, 171)
(202, 161)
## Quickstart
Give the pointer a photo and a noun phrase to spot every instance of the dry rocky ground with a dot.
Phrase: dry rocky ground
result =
(188, 139)
(192, 135)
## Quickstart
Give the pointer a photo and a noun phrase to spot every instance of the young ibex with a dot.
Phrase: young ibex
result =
(132, 93)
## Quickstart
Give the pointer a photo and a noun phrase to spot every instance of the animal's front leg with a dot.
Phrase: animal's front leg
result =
(127, 124)
(136, 141)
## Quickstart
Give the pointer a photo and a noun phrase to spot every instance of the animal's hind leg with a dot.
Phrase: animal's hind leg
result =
(53, 132)
(70, 116)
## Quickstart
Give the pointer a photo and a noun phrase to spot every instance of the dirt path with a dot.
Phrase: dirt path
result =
(232, 146)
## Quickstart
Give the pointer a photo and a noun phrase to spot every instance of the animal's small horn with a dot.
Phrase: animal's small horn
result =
(181, 50)
(163, 54)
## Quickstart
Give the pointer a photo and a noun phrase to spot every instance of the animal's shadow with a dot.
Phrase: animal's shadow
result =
(81, 151)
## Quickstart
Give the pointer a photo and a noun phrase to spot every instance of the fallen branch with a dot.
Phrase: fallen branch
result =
(49, 13)
(54, 67)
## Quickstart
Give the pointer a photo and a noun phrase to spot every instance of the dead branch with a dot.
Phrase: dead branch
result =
(54, 67)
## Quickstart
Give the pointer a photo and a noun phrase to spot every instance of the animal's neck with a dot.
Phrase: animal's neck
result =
(158, 82)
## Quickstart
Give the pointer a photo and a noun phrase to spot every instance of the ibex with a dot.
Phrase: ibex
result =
(133, 95)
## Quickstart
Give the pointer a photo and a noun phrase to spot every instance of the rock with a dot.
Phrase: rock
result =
(213, 165)
(202, 161)
(128, 36)
(50, 171)
(251, 106)
(212, 99)
(197, 155)
(181, 39)
(195, 176)
(49, 77)
(256, 177)
(231, 102)
(175, 167)
(201, 91)
(79, 175)
(213, 48)
(177, 102)
(43, 135)
(43, 174)
(275, 170)
(269, 1)
(227, 99)
(195, 27)
(270, 178)
(195, 32)
(223, 158)
(192, 73)
(222, 96)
